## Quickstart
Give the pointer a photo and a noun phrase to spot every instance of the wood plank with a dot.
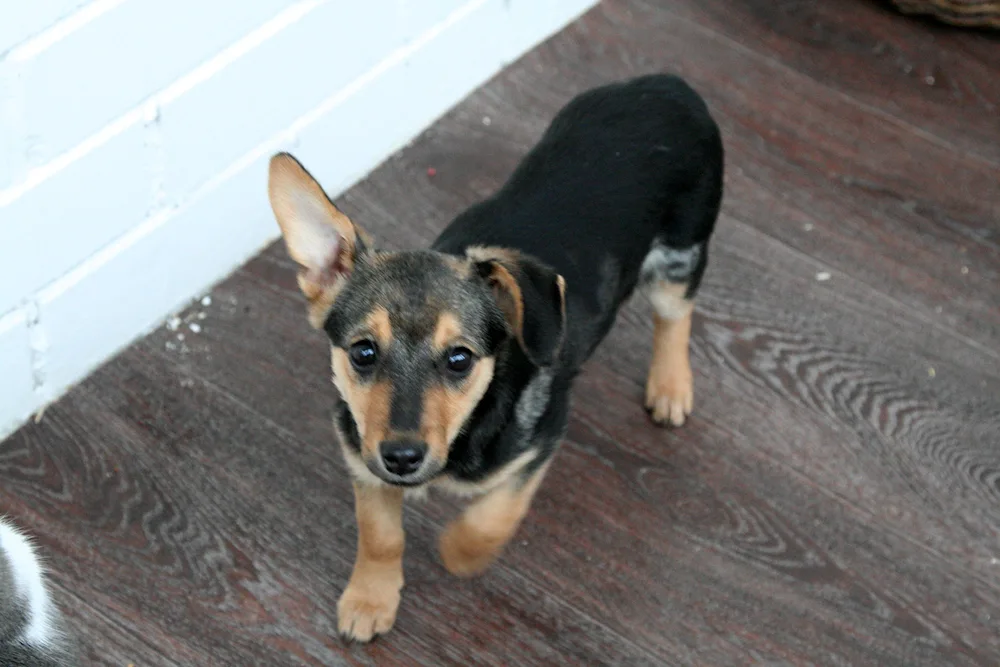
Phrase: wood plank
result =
(121, 526)
(923, 76)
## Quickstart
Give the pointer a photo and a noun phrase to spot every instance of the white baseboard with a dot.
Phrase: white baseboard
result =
(67, 328)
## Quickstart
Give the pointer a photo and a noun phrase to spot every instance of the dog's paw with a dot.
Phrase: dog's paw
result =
(463, 553)
(670, 400)
(365, 611)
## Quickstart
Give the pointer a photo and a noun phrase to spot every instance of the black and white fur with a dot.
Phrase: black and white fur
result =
(31, 633)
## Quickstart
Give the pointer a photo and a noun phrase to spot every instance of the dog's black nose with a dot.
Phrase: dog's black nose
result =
(402, 458)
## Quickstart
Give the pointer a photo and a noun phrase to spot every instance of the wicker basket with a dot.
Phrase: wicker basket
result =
(975, 13)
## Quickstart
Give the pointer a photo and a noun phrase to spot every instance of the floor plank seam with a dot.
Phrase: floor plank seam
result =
(865, 516)
(925, 317)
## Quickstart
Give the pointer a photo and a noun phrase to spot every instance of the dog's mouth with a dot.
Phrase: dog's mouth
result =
(406, 483)
(425, 474)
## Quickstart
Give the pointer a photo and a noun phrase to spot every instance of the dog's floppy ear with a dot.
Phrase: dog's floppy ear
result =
(321, 239)
(531, 296)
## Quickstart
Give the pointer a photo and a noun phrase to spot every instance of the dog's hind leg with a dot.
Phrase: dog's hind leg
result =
(670, 276)
(668, 279)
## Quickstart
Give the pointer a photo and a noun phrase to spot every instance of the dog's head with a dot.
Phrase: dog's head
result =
(414, 335)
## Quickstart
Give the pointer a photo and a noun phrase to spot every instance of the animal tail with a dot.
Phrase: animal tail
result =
(30, 624)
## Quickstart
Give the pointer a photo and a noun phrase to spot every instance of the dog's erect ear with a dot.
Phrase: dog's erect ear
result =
(531, 296)
(321, 239)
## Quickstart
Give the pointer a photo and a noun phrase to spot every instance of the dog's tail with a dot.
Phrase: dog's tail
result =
(31, 633)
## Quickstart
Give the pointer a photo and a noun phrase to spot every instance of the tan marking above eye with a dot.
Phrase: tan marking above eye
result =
(447, 332)
(379, 326)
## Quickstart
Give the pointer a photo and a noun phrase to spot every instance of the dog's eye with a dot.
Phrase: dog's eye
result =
(459, 360)
(363, 355)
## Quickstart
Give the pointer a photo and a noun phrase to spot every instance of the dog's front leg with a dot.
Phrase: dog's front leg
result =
(369, 603)
(472, 542)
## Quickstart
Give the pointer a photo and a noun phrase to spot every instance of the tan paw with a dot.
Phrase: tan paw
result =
(464, 553)
(365, 610)
(670, 402)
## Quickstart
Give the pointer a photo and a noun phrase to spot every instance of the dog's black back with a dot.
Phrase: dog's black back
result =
(621, 168)
(623, 189)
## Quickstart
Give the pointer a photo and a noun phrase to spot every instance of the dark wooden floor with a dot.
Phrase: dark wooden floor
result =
(834, 500)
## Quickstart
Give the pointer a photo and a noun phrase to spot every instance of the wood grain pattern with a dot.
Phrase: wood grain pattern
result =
(972, 13)
(834, 498)
(915, 77)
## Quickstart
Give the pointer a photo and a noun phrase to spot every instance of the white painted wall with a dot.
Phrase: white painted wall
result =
(134, 137)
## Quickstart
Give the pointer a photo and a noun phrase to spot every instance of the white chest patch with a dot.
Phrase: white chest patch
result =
(29, 584)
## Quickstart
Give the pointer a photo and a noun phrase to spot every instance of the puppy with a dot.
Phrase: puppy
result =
(31, 633)
(454, 364)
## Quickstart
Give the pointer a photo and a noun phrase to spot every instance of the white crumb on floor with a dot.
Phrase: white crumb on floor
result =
(823, 276)
(194, 327)
(206, 300)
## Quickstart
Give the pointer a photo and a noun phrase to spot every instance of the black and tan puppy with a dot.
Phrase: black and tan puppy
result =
(454, 364)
